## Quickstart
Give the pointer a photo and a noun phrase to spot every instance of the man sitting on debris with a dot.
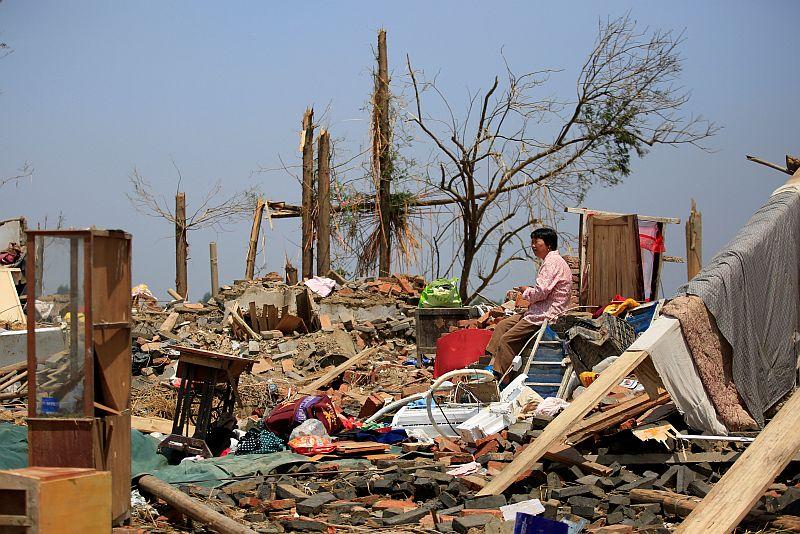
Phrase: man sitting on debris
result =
(547, 300)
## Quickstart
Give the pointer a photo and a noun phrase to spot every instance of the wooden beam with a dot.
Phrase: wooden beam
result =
(381, 157)
(191, 507)
(614, 416)
(331, 375)
(556, 431)
(181, 246)
(586, 211)
(250, 266)
(307, 238)
(324, 204)
(745, 482)
(212, 252)
(694, 242)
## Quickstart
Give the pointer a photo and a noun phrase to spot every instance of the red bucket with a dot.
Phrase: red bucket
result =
(457, 350)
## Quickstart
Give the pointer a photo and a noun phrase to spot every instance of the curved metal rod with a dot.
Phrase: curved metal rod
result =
(488, 376)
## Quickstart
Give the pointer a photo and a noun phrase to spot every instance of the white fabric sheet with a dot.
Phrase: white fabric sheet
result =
(671, 358)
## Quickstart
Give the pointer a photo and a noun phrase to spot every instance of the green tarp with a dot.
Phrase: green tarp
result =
(214, 472)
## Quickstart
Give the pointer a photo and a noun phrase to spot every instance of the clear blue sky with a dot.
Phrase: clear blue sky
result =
(95, 88)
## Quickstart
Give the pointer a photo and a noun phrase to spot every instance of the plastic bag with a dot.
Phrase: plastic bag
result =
(550, 407)
(309, 427)
(441, 293)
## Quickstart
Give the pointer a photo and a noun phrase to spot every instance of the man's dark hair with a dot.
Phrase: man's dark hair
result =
(548, 235)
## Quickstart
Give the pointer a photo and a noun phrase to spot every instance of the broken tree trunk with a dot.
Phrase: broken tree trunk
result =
(324, 204)
(181, 246)
(307, 263)
(251, 250)
(212, 251)
(291, 273)
(694, 242)
(331, 375)
(382, 159)
(191, 507)
(745, 482)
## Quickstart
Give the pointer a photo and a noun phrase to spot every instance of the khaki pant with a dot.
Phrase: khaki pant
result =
(509, 337)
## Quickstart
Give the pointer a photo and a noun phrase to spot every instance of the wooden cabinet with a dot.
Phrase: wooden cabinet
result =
(79, 397)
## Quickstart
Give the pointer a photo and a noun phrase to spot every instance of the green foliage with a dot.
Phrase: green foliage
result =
(613, 124)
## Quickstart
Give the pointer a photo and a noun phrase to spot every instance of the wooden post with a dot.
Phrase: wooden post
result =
(694, 242)
(212, 251)
(291, 273)
(39, 263)
(382, 160)
(181, 245)
(323, 204)
(251, 251)
(307, 263)
(191, 507)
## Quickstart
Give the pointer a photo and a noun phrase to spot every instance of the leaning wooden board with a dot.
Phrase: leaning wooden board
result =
(745, 482)
(556, 431)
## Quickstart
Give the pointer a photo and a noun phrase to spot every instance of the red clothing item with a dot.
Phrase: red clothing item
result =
(550, 296)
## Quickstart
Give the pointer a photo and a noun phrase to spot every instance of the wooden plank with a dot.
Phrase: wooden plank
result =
(614, 416)
(570, 456)
(556, 431)
(169, 323)
(272, 317)
(263, 320)
(586, 211)
(614, 259)
(251, 310)
(747, 479)
(154, 424)
(331, 375)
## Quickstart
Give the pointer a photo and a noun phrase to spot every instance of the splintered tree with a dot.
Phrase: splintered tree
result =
(514, 157)
(213, 211)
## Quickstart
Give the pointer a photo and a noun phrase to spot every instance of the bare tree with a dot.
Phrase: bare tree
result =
(213, 211)
(516, 158)
(24, 172)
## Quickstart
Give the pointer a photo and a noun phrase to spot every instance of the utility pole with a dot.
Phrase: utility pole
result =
(250, 266)
(307, 263)
(382, 160)
(324, 204)
(181, 246)
(694, 242)
(212, 251)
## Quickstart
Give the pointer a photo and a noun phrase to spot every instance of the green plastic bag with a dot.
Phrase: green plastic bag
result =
(441, 293)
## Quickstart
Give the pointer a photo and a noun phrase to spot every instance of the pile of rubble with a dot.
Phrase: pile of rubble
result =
(630, 466)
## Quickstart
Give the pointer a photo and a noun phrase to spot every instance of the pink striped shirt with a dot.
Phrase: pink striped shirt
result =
(550, 296)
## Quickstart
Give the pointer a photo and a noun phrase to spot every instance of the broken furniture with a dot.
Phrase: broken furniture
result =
(209, 387)
(79, 397)
(433, 322)
(37, 500)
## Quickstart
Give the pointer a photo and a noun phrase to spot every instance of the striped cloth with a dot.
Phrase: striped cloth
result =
(752, 289)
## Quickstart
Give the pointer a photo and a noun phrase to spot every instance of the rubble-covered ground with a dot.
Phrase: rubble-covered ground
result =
(612, 479)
